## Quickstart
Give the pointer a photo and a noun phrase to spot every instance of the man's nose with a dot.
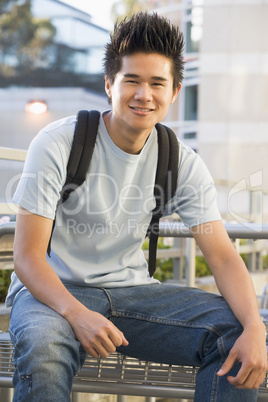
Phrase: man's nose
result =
(144, 93)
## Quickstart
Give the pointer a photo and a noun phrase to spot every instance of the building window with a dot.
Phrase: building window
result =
(190, 109)
(193, 25)
(189, 136)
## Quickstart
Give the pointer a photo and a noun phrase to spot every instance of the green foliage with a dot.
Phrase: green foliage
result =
(265, 261)
(4, 283)
(164, 266)
(201, 267)
(244, 256)
(164, 269)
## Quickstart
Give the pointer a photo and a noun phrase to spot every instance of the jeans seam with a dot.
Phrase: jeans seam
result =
(158, 320)
(106, 292)
(20, 375)
(216, 379)
(214, 384)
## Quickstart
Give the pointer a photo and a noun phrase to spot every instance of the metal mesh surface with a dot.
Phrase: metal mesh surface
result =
(126, 369)
(118, 372)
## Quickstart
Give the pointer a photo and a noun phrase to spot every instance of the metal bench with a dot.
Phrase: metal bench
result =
(121, 375)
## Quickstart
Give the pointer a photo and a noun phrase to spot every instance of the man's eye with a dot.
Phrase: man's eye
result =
(132, 82)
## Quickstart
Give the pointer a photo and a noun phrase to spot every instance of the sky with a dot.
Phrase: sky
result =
(99, 9)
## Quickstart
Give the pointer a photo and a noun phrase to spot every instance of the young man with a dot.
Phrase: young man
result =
(94, 294)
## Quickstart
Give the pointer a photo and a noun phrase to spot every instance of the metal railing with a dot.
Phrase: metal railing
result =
(13, 154)
(250, 231)
(167, 229)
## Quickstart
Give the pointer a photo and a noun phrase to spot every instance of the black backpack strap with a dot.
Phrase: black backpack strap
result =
(84, 139)
(165, 184)
(85, 134)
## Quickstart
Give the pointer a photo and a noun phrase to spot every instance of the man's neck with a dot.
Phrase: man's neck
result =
(130, 141)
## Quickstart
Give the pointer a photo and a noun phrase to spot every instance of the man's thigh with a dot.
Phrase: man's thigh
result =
(27, 311)
(172, 324)
(34, 326)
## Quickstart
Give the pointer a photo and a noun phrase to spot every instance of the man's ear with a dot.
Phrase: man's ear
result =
(108, 87)
(176, 92)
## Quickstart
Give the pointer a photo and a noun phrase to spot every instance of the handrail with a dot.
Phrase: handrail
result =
(176, 229)
(13, 154)
(7, 228)
(249, 230)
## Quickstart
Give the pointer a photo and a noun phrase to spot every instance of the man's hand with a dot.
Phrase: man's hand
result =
(252, 353)
(235, 285)
(97, 335)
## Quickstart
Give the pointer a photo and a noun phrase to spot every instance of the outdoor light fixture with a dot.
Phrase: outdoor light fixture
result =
(36, 107)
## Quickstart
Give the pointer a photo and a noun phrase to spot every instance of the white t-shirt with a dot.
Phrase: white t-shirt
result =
(100, 229)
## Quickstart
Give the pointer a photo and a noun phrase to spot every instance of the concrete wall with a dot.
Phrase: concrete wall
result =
(18, 127)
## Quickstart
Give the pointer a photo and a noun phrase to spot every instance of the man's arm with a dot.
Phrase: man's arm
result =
(97, 335)
(235, 285)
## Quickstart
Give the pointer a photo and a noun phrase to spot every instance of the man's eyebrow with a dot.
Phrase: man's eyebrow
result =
(128, 75)
(157, 78)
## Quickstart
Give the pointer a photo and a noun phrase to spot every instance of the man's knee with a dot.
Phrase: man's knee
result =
(52, 341)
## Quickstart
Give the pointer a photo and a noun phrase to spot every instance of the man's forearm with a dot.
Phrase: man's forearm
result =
(44, 284)
(235, 285)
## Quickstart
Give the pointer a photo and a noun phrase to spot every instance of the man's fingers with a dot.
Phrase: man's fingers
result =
(248, 378)
(117, 337)
(123, 340)
(242, 379)
(228, 364)
(106, 341)
(98, 335)
(100, 348)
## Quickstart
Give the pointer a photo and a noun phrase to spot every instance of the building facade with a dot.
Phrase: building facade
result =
(76, 35)
(233, 104)
(222, 110)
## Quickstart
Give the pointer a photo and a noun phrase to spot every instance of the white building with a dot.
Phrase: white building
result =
(75, 30)
(233, 104)
(222, 110)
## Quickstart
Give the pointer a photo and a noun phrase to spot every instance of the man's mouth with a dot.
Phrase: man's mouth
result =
(139, 109)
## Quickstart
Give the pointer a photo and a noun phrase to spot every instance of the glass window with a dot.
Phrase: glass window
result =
(194, 23)
(190, 111)
(192, 38)
(189, 136)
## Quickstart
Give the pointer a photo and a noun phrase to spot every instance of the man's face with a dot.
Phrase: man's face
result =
(141, 92)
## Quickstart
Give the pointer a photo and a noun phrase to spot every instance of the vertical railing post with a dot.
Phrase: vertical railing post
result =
(190, 262)
(178, 261)
(121, 398)
(6, 394)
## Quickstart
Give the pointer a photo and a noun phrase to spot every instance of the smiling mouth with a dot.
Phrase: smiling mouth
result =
(139, 109)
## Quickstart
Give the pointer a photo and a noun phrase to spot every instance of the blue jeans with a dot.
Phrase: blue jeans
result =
(163, 323)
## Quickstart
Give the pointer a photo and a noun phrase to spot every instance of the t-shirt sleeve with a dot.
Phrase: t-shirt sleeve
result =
(195, 200)
(43, 176)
